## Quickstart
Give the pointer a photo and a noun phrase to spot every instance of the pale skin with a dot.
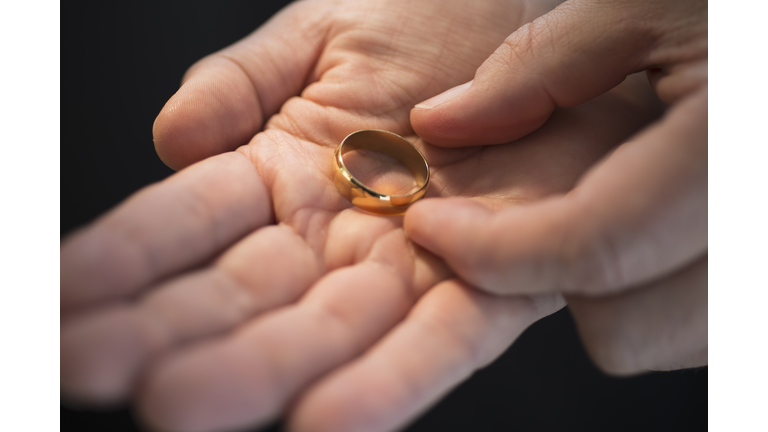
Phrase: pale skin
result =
(628, 246)
(245, 287)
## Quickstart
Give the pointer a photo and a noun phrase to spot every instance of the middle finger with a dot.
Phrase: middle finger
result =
(249, 377)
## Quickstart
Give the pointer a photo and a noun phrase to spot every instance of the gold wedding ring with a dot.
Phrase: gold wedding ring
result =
(389, 144)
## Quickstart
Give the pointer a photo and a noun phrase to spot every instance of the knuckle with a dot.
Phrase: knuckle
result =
(532, 41)
(514, 51)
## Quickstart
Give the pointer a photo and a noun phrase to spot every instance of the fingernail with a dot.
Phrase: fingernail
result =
(444, 96)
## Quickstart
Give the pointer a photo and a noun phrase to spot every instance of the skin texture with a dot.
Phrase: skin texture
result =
(634, 231)
(245, 287)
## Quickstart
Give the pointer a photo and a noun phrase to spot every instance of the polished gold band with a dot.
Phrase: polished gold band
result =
(392, 145)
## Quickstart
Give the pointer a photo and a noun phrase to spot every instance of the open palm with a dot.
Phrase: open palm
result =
(246, 286)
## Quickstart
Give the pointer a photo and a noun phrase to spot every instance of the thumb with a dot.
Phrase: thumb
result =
(226, 97)
(564, 58)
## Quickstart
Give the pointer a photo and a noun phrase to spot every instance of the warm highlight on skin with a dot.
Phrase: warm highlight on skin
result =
(245, 287)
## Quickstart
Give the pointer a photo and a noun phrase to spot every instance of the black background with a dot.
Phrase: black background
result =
(120, 64)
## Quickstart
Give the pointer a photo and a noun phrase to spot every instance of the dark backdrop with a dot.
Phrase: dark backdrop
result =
(122, 61)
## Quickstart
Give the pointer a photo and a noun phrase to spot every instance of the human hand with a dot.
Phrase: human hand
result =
(191, 299)
(628, 246)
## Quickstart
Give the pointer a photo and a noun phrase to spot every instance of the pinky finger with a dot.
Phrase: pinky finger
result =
(662, 325)
(450, 333)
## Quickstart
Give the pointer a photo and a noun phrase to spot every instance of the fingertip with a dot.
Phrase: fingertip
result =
(100, 356)
(426, 222)
(162, 133)
(180, 130)
(416, 220)
(484, 113)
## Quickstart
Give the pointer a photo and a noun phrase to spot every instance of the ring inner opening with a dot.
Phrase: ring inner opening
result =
(380, 172)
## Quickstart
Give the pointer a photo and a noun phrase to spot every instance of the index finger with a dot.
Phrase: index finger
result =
(572, 54)
(164, 228)
(640, 214)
